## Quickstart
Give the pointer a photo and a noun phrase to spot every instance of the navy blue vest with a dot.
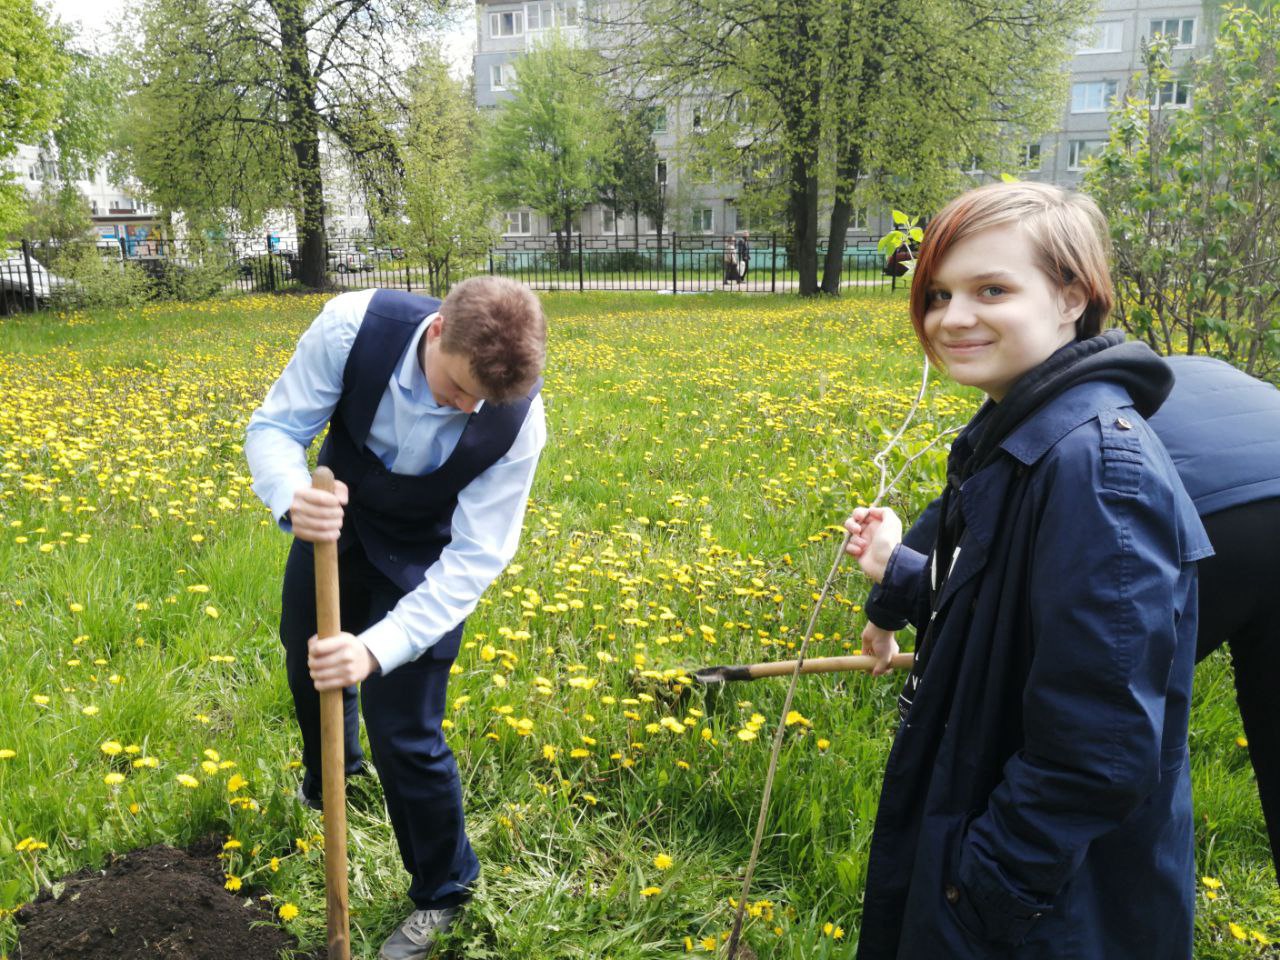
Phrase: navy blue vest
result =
(404, 521)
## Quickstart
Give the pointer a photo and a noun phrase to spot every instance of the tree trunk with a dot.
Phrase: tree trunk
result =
(804, 132)
(304, 137)
(848, 166)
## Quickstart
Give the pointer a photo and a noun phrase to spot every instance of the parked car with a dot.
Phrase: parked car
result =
(17, 288)
(265, 268)
(351, 261)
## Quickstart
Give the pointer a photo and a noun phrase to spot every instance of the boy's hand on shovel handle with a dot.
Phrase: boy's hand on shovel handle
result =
(881, 644)
(316, 515)
(339, 661)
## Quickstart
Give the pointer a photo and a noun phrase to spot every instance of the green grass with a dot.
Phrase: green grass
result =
(701, 450)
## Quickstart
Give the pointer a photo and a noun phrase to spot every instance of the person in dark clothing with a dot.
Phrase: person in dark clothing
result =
(1040, 775)
(1222, 430)
(742, 248)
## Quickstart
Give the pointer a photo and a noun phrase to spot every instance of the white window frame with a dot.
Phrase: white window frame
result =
(1159, 27)
(973, 167)
(1105, 36)
(660, 120)
(858, 218)
(1077, 155)
(523, 221)
(533, 15)
(496, 22)
(1084, 102)
(660, 172)
(608, 220)
(1172, 88)
(567, 13)
(1031, 153)
(705, 220)
(502, 76)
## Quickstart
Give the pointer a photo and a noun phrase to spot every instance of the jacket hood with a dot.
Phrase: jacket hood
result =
(1109, 356)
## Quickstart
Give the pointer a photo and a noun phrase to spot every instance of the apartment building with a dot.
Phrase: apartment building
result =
(1107, 57)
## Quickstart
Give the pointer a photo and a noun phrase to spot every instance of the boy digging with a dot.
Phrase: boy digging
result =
(435, 429)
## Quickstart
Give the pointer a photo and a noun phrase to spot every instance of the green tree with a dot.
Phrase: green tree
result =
(233, 97)
(59, 212)
(446, 211)
(833, 93)
(1192, 197)
(629, 183)
(548, 145)
(33, 68)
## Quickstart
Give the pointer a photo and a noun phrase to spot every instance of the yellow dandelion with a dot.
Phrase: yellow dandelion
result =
(288, 911)
(187, 780)
(113, 779)
(111, 748)
(663, 862)
(650, 891)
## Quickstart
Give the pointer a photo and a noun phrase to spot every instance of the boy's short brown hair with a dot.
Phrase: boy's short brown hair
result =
(499, 325)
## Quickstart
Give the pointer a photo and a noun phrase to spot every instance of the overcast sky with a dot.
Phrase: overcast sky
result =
(99, 20)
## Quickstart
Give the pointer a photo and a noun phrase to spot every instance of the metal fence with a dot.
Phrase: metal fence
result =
(35, 275)
(679, 263)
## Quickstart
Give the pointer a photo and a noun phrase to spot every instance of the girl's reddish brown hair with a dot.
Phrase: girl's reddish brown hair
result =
(1066, 230)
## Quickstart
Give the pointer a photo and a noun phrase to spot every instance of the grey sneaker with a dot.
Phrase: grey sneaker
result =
(415, 937)
(302, 798)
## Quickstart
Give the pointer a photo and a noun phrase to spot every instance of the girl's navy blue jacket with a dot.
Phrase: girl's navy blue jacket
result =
(1037, 800)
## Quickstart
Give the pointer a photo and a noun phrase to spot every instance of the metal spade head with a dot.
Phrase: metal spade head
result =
(720, 675)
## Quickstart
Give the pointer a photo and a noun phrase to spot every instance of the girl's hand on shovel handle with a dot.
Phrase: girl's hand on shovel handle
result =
(874, 532)
(316, 515)
(881, 644)
(339, 661)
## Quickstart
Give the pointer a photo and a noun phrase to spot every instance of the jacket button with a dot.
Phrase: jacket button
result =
(952, 894)
(1123, 424)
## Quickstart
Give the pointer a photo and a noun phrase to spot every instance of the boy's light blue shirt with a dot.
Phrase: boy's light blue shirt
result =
(410, 434)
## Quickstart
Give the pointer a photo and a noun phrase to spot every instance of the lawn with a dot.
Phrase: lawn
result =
(702, 451)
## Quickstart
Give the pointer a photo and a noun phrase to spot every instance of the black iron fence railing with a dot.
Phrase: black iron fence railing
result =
(35, 275)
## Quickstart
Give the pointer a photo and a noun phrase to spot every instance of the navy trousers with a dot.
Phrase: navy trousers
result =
(1237, 606)
(402, 715)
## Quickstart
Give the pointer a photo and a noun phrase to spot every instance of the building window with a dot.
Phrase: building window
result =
(1182, 29)
(538, 16)
(1174, 93)
(1031, 156)
(1092, 96)
(697, 118)
(608, 220)
(568, 13)
(502, 76)
(518, 222)
(659, 119)
(509, 24)
(661, 173)
(973, 166)
(1104, 37)
(702, 220)
(1079, 151)
(858, 218)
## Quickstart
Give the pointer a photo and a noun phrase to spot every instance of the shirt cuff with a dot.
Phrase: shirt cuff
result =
(390, 645)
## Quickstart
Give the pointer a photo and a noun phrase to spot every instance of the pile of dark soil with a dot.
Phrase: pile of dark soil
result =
(160, 903)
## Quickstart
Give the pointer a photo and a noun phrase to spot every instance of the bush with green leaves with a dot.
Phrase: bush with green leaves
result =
(96, 279)
(1192, 195)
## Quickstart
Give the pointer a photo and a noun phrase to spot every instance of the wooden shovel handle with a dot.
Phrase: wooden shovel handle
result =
(900, 661)
(332, 747)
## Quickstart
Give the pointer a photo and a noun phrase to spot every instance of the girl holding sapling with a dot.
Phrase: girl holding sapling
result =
(1037, 800)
